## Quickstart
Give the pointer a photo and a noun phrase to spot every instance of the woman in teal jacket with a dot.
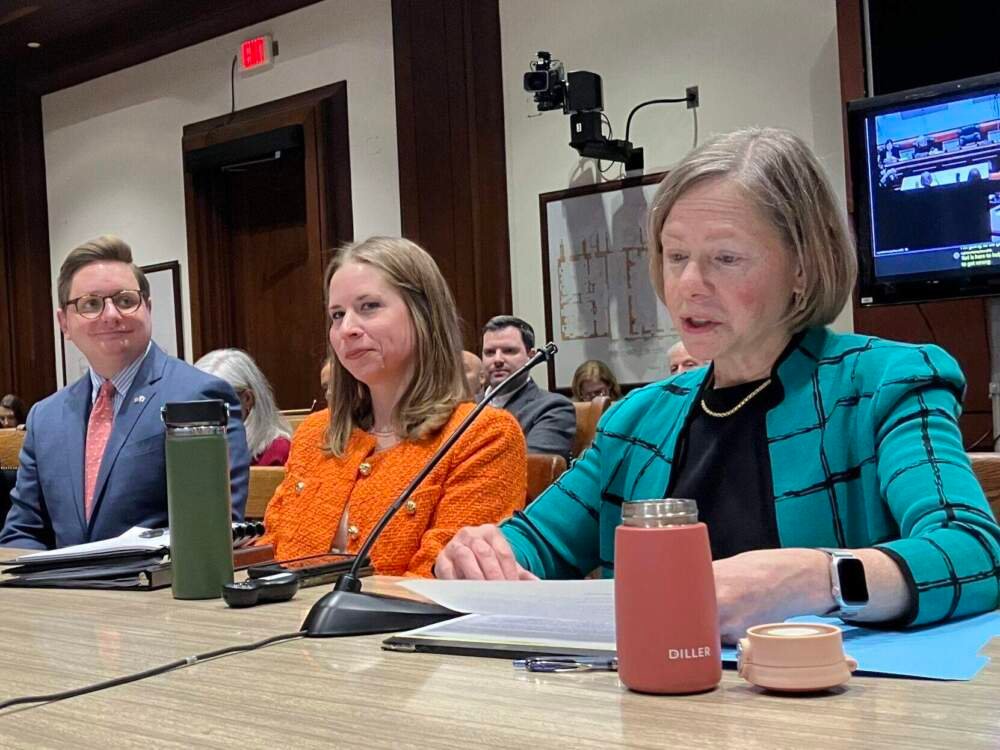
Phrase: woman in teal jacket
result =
(795, 440)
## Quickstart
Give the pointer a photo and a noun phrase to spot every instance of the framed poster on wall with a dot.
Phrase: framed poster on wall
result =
(168, 330)
(599, 302)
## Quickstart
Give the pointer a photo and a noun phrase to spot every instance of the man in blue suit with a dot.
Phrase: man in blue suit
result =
(93, 464)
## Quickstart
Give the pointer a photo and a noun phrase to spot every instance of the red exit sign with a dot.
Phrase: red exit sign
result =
(257, 53)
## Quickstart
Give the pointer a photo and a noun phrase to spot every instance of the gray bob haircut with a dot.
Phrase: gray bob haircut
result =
(781, 177)
(264, 424)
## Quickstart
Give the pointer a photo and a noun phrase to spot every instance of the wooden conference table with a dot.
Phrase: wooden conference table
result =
(347, 693)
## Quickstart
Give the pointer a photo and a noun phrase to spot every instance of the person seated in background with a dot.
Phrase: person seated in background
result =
(888, 154)
(396, 376)
(594, 378)
(680, 359)
(891, 179)
(795, 440)
(93, 465)
(927, 180)
(472, 366)
(969, 135)
(548, 420)
(268, 432)
(924, 144)
(12, 411)
(973, 175)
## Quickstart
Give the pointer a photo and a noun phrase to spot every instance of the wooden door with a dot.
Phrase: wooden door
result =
(260, 231)
(277, 290)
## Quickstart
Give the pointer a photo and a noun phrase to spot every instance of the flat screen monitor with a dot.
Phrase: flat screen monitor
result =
(927, 223)
(951, 144)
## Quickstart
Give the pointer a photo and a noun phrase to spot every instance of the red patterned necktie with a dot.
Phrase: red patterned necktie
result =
(98, 430)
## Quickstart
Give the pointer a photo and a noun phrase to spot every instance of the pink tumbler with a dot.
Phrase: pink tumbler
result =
(666, 618)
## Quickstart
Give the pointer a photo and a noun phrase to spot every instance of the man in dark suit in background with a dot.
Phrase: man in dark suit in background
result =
(93, 463)
(548, 420)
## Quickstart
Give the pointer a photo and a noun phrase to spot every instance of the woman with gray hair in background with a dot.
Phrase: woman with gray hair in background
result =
(828, 467)
(268, 433)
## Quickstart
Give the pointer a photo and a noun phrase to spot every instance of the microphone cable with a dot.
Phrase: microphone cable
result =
(162, 669)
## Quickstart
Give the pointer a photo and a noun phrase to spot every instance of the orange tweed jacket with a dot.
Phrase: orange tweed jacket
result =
(481, 480)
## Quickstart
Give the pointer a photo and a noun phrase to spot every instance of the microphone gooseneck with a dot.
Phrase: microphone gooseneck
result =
(342, 611)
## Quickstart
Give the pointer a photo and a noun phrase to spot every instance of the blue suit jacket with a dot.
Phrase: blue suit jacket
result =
(47, 503)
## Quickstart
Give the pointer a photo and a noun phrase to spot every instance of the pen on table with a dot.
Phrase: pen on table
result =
(568, 664)
(152, 533)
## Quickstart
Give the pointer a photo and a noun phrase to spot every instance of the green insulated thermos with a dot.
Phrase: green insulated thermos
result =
(198, 500)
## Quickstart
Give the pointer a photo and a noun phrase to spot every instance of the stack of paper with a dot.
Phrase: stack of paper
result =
(577, 617)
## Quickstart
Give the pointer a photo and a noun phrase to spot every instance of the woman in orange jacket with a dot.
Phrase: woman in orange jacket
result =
(397, 390)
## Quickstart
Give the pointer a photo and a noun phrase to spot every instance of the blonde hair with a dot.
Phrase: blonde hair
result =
(781, 177)
(438, 383)
(594, 369)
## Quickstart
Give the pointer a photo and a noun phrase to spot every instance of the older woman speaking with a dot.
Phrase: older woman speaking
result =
(795, 439)
(396, 392)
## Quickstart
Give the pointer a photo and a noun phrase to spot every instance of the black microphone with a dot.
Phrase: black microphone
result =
(347, 610)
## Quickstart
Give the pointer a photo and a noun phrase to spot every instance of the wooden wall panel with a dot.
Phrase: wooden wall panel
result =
(130, 32)
(959, 326)
(452, 156)
(27, 354)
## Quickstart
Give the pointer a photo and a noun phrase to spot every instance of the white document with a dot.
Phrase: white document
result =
(590, 600)
(561, 615)
(135, 540)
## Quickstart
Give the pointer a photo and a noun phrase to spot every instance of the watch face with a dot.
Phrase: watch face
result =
(853, 586)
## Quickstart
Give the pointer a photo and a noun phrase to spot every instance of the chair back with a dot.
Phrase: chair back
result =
(295, 417)
(295, 420)
(264, 480)
(543, 470)
(588, 414)
(10, 447)
(987, 469)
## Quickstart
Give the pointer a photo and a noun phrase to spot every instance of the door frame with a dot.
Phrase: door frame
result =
(322, 114)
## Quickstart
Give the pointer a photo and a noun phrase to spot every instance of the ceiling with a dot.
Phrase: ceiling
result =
(83, 39)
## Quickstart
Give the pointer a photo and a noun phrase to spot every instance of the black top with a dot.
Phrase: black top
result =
(723, 463)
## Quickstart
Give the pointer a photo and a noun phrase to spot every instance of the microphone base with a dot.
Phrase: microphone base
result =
(341, 613)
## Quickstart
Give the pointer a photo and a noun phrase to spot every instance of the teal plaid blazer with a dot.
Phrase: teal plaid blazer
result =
(865, 451)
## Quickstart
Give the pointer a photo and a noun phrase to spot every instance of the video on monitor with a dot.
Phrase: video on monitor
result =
(927, 191)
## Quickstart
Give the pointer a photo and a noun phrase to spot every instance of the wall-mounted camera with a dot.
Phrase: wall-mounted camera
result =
(547, 81)
(581, 96)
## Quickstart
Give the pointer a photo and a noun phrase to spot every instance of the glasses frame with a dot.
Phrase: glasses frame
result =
(104, 303)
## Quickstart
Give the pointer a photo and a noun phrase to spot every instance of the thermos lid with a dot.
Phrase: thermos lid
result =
(650, 514)
(207, 413)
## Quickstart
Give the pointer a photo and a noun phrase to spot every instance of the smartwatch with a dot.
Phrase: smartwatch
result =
(848, 585)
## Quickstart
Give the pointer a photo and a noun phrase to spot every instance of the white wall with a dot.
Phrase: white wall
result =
(756, 62)
(113, 145)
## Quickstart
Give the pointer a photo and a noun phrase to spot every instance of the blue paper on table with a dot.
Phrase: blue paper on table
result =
(939, 652)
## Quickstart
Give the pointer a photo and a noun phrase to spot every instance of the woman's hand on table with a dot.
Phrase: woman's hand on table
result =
(480, 553)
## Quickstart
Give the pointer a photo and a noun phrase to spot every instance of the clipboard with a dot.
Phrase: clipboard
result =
(483, 635)
(494, 650)
(144, 574)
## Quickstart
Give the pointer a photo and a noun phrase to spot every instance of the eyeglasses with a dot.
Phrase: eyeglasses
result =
(91, 306)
